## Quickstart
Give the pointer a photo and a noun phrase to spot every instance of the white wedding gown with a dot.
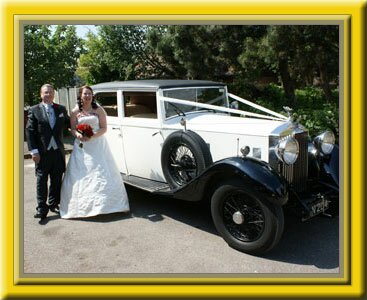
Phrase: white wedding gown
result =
(92, 184)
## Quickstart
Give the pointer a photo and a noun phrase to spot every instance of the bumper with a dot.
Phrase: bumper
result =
(313, 206)
(319, 200)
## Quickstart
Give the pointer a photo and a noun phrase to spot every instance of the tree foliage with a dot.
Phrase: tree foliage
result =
(49, 57)
(297, 54)
(169, 51)
(121, 52)
(294, 55)
(299, 61)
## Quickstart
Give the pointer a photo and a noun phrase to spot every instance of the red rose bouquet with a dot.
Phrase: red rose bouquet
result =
(85, 130)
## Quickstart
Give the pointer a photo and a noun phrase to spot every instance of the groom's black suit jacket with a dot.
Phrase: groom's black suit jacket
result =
(39, 131)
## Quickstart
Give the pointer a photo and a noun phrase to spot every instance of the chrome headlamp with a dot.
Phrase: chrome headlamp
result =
(287, 150)
(325, 142)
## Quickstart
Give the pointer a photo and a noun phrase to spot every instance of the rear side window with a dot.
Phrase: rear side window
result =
(140, 105)
(108, 100)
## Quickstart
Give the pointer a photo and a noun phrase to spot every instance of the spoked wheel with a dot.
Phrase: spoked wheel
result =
(243, 217)
(245, 222)
(185, 155)
(182, 164)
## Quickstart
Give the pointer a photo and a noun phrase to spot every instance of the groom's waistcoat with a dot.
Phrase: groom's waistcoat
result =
(39, 131)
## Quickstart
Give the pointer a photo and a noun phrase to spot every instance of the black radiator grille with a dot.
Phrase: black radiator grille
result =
(296, 174)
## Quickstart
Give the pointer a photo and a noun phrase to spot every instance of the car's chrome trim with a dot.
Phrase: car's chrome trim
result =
(297, 173)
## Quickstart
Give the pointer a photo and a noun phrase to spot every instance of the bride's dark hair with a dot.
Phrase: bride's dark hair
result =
(79, 98)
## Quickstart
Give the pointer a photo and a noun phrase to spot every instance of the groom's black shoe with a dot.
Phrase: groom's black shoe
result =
(39, 215)
(55, 209)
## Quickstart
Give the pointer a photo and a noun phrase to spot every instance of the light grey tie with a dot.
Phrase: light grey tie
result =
(52, 120)
(51, 115)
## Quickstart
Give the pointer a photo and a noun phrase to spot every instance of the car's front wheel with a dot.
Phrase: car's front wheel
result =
(245, 222)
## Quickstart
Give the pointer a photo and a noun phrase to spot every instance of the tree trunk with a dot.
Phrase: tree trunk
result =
(325, 85)
(288, 83)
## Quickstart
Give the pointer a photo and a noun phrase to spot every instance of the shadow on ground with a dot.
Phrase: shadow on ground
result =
(314, 242)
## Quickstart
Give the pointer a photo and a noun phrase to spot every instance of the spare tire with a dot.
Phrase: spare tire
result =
(185, 155)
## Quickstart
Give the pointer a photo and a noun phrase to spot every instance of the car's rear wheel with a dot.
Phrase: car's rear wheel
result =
(246, 222)
(184, 156)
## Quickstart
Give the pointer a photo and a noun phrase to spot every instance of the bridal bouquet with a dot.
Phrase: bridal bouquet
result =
(85, 130)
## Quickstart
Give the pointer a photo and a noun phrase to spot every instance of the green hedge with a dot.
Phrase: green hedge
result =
(311, 109)
(320, 119)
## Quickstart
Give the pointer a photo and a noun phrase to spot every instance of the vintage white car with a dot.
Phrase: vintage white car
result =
(188, 139)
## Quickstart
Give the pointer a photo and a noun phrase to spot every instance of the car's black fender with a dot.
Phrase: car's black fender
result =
(325, 168)
(330, 167)
(250, 172)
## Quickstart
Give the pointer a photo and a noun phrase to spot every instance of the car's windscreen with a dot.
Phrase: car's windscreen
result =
(208, 95)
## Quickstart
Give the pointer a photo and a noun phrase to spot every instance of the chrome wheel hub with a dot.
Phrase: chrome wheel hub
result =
(238, 218)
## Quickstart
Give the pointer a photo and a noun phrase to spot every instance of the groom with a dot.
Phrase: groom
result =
(44, 131)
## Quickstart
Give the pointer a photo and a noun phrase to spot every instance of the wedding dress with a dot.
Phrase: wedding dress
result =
(92, 184)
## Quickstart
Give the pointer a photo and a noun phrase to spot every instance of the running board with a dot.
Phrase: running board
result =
(146, 184)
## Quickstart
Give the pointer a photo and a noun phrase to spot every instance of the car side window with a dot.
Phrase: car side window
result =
(108, 100)
(140, 105)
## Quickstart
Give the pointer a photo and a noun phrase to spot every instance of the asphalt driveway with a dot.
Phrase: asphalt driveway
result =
(161, 236)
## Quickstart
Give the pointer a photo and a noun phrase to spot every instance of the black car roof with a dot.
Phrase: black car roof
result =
(156, 84)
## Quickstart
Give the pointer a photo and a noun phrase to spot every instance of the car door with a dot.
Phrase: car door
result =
(111, 101)
(142, 139)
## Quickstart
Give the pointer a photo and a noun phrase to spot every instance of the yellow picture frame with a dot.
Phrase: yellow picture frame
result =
(350, 14)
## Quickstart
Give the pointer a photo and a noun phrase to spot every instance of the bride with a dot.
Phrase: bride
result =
(92, 184)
